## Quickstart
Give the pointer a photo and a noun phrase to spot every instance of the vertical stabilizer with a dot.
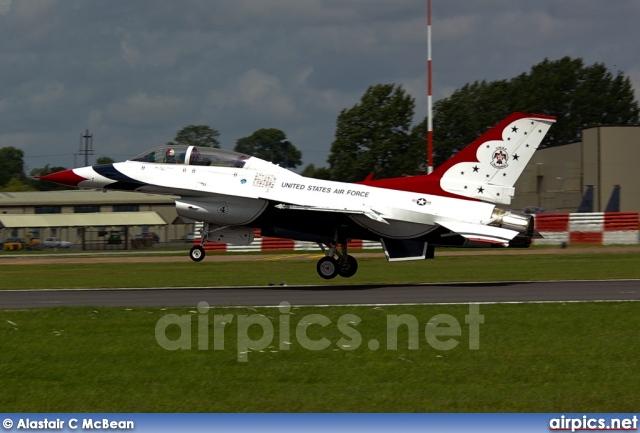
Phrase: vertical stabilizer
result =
(614, 200)
(486, 169)
(586, 205)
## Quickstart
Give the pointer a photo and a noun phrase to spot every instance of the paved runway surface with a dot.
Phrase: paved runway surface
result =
(617, 290)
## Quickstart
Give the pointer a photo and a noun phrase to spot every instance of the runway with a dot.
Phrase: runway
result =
(450, 293)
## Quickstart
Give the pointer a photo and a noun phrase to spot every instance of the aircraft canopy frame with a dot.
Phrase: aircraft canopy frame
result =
(192, 155)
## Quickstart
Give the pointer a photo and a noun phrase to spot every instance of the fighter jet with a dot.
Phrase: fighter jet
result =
(232, 194)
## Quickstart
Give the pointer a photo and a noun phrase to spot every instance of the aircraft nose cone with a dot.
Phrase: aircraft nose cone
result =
(66, 177)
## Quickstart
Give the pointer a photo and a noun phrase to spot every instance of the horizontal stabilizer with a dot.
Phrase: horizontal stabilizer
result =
(480, 233)
(402, 249)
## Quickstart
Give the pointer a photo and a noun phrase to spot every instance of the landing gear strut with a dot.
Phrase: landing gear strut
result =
(197, 252)
(336, 262)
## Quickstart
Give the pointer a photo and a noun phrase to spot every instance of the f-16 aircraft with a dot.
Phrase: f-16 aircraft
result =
(233, 193)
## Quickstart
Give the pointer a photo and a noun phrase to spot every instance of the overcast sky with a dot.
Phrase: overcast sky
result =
(135, 72)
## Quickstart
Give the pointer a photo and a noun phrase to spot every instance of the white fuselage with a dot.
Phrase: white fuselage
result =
(231, 196)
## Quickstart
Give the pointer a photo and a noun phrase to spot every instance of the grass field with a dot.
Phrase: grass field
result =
(578, 357)
(298, 270)
(560, 357)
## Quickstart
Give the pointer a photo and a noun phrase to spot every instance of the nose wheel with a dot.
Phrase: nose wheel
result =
(197, 254)
(197, 251)
(336, 263)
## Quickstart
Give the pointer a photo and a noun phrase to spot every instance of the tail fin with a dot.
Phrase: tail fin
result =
(586, 205)
(486, 169)
(614, 200)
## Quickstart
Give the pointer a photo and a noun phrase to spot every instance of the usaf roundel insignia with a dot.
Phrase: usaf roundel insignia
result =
(500, 157)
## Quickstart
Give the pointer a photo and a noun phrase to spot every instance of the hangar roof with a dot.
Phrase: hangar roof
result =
(80, 197)
(108, 219)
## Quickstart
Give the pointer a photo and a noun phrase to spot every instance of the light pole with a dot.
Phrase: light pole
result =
(285, 144)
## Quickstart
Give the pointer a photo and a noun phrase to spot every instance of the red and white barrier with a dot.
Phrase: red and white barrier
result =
(601, 228)
(277, 244)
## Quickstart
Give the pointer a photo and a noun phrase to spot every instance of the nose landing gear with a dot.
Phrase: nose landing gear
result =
(197, 252)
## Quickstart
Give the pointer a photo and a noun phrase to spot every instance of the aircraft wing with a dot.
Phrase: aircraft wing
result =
(471, 231)
(369, 213)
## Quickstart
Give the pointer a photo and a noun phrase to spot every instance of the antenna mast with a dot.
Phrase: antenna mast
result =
(88, 146)
(429, 97)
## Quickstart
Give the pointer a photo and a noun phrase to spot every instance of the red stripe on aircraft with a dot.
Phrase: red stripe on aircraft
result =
(66, 177)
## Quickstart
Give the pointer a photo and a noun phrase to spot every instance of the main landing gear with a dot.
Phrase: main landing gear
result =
(336, 262)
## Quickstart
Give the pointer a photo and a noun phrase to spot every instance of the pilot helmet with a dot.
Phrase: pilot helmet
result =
(171, 152)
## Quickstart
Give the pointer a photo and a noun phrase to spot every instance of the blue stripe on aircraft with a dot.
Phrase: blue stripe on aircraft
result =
(121, 181)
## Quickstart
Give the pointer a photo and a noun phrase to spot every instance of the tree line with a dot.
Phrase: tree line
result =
(376, 135)
(14, 179)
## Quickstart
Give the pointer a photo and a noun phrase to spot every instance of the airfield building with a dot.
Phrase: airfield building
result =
(93, 219)
(557, 177)
(555, 180)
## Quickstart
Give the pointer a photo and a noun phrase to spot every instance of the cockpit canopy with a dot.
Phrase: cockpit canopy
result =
(192, 155)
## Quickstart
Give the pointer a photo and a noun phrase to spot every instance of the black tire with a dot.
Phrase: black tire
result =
(197, 254)
(327, 267)
(347, 267)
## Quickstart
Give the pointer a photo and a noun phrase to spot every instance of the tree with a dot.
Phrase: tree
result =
(374, 136)
(104, 160)
(272, 145)
(317, 173)
(45, 170)
(197, 135)
(11, 164)
(580, 96)
(16, 185)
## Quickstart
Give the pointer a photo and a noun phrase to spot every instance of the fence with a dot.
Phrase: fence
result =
(277, 244)
(602, 228)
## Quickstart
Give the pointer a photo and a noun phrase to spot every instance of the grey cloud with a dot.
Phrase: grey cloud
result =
(136, 72)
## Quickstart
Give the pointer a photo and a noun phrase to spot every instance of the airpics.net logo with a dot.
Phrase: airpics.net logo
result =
(257, 332)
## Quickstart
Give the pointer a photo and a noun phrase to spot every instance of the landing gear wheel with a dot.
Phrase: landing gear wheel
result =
(327, 267)
(197, 253)
(347, 266)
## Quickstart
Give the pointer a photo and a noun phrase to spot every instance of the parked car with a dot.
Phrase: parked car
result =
(114, 238)
(32, 243)
(55, 243)
(13, 244)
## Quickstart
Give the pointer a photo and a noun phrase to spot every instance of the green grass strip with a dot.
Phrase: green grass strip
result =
(261, 271)
(575, 357)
